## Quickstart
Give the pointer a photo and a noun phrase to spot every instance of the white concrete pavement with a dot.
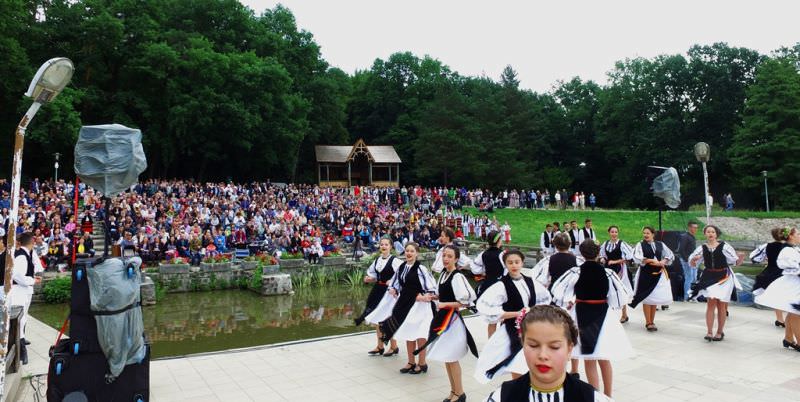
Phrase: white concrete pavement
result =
(673, 364)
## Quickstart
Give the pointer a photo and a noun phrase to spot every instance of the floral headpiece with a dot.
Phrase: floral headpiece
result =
(519, 319)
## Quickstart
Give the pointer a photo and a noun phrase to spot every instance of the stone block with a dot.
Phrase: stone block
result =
(147, 291)
(292, 263)
(335, 260)
(276, 284)
(220, 267)
(173, 268)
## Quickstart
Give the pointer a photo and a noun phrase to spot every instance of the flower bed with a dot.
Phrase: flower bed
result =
(174, 266)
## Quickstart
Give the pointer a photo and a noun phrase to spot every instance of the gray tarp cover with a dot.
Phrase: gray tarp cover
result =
(667, 186)
(109, 157)
(121, 335)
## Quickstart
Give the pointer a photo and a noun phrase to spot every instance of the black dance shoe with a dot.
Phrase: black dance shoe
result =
(787, 344)
(392, 352)
(780, 324)
(408, 368)
(423, 368)
(375, 352)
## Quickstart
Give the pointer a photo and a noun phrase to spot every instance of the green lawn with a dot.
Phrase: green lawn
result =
(527, 225)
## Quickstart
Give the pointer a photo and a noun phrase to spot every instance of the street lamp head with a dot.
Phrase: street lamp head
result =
(582, 164)
(50, 80)
(702, 152)
(764, 173)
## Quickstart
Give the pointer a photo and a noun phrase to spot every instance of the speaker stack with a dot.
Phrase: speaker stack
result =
(79, 370)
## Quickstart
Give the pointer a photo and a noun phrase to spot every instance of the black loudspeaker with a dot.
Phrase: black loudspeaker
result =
(83, 335)
(86, 373)
(79, 302)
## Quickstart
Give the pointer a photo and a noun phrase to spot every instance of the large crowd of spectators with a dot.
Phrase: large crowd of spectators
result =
(167, 219)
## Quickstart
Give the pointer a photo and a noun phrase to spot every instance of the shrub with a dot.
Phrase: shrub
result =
(216, 259)
(58, 290)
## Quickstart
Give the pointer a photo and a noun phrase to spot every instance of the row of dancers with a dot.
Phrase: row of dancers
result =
(590, 291)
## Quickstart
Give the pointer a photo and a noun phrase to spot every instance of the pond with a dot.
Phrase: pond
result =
(186, 323)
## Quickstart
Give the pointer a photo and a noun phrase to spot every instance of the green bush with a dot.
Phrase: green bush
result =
(58, 290)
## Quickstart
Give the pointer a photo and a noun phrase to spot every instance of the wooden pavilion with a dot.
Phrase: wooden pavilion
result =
(359, 164)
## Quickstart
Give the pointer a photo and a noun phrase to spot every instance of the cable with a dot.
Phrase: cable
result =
(38, 385)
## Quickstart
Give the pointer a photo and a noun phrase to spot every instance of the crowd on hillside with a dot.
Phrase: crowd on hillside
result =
(166, 219)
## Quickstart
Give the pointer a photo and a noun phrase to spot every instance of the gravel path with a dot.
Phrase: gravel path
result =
(751, 228)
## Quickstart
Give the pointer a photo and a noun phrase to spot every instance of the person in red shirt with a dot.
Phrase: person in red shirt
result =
(347, 232)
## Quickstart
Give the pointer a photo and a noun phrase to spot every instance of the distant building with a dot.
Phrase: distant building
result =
(359, 164)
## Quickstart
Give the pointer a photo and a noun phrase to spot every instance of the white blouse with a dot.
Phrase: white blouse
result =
(438, 264)
(477, 267)
(789, 260)
(425, 279)
(619, 294)
(609, 246)
(727, 250)
(638, 255)
(759, 255)
(555, 396)
(461, 288)
(379, 265)
(490, 305)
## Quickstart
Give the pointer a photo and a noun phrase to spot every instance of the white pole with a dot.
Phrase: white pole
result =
(708, 201)
(16, 173)
(766, 192)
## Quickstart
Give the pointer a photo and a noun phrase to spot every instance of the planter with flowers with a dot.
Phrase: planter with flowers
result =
(333, 258)
(267, 262)
(217, 263)
(289, 260)
(177, 265)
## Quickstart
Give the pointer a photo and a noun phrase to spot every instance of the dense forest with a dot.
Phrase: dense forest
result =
(224, 92)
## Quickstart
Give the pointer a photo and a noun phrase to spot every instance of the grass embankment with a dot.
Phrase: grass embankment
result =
(527, 225)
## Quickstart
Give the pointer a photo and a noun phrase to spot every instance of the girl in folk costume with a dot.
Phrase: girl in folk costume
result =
(717, 281)
(503, 302)
(594, 295)
(506, 232)
(446, 238)
(379, 302)
(769, 252)
(449, 339)
(784, 293)
(549, 336)
(414, 288)
(489, 266)
(615, 254)
(652, 287)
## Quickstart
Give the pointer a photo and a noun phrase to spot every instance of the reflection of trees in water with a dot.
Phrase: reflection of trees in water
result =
(181, 317)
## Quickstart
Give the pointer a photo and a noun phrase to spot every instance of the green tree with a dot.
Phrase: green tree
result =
(768, 137)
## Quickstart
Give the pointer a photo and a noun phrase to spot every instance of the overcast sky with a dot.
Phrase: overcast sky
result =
(544, 41)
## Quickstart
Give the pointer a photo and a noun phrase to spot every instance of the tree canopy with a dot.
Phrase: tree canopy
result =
(221, 92)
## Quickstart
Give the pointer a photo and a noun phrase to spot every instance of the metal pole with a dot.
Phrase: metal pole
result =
(708, 203)
(766, 192)
(11, 246)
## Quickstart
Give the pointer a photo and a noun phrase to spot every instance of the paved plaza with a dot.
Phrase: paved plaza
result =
(673, 364)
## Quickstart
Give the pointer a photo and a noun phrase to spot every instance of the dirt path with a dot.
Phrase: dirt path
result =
(751, 228)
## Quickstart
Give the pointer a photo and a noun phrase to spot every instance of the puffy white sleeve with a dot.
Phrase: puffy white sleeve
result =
(463, 261)
(490, 305)
(541, 242)
(564, 287)
(788, 261)
(603, 253)
(37, 262)
(695, 253)
(438, 265)
(730, 254)
(426, 279)
(667, 255)
(396, 263)
(462, 290)
(619, 294)
(540, 272)
(19, 271)
(638, 254)
(542, 294)
(372, 271)
(627, 251)
(476, 266)
(759, 255)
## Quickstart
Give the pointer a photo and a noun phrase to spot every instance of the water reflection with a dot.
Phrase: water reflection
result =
(184, 323)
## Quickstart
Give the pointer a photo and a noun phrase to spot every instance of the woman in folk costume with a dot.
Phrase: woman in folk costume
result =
(652, 287)
(503, 302)
(717, 282)
(489, 266)
(550, 268)
(506, 232)
(548, 335)
(615, 255)
(446, 238)
(449, 339)
(784, 293)
(379, 302)
(414, 288)
(769, 252)
(594, 295)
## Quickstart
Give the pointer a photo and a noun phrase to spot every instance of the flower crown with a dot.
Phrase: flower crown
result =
(519, 319)
(786, 232)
